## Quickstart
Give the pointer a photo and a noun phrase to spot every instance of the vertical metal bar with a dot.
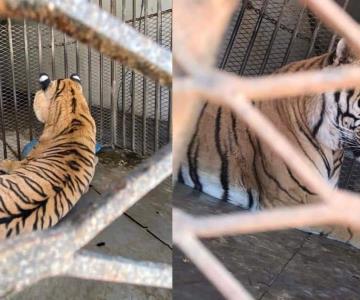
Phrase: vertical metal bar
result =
(272, 40)
(14, 88)
(66, 57)
(313, 39)
(133, 87)
(77, 57)
(101, 91)
(27, 67)
(333, 39)
(3, 133)
(169, 116)
(157, 87)
(39, 47)
(145, 84)
(233, 35)
(113, 88)
(293, 37)
(89, 77)
(123, 82)
(52, 52)
(253, 37)
(170, 98)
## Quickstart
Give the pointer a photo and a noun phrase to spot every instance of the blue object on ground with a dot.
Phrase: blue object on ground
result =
(29, 146)
(98, 147)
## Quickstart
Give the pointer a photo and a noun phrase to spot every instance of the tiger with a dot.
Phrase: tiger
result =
(227, 160)
(39, 190)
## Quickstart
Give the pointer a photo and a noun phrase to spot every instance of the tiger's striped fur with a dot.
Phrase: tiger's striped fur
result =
(36, 192)
(226, 160)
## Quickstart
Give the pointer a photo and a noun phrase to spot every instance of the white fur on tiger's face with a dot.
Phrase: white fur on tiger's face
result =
(227, 160)
(37, 192)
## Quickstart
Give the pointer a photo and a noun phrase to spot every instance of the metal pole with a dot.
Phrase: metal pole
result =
(233, 35)
(293, 37)
(66, 57)
(2, 121)
(39, 47)
(27, 67)
(14, 88)
(52, 52)
(253, 37)
(133, 87)
(113, 90)
(123, 82)
(101, 131)
(273, 37)
(157, 85)
(145, 84)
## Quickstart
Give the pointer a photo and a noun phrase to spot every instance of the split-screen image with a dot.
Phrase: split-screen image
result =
(179, 149)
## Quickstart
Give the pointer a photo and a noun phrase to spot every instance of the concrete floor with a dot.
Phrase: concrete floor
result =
(279, 265)
(143, 233)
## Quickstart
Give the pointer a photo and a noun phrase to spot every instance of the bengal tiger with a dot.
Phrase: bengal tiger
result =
(226, 160)
(38, 191)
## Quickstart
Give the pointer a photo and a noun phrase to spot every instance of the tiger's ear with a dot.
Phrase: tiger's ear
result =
(75, 77)
(344, 54)
(44, 81)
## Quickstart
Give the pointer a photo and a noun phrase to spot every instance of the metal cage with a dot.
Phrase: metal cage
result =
(263, 35)
(131, 111)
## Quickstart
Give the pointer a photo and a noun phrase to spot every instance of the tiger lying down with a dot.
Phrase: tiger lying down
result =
(35, 193)
(226, 160)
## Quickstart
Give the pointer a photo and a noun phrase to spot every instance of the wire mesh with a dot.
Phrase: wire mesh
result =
(115, 100)
(267, 35)
(56, 252)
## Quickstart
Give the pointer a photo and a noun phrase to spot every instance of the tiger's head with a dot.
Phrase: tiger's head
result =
(57, 99)
(336, 120)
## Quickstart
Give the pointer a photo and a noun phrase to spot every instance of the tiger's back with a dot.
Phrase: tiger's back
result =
(39, 190)
(226, 160)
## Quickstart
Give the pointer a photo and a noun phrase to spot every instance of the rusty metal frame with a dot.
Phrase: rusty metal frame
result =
(196, 78)
(29, 258)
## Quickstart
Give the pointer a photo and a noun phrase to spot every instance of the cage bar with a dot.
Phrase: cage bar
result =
(57, 251)
(27, 67)
(253, 37)
(11, 49)
(3, 133)
(113, 103)
(272, 40)
(203, 82)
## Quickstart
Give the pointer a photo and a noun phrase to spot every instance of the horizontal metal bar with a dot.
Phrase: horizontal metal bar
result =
(29, 258)
(102, 31)
(96, 266)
